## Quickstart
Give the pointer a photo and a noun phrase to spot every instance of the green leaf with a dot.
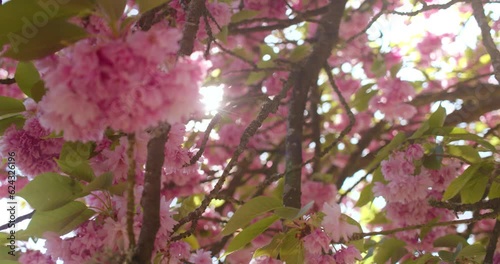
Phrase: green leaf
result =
(73, 160)
(389, 248)
(49, 191)
(437, 118)
(474, 189)
(249, 233)
(447, 256)
(421, 130)
(61, 220)
(451, 240)
(456, 133)
(46, 40)
(427, 259)
(472, 251)
(222, 35)
(299, 53)
(102, 182)
(458, 184)
(365, 196)
(292, 249)
(145, 5)
(113, 9)
(433, 160)
(38, 91)
(272, 249)
(244, 15)
(26, 76)
(255, 77)
(291, 213)
(494, 190)
(249, 211)
(10, 105)
(17, 120)
(395, 69)
(386, 150)
(118, 189)
(379, 68)
(25, 17)
(465, 152)
(363, 96)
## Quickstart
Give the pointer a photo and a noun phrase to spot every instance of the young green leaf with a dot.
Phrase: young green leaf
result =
(17, 120)
(272, 249)
(61, 220)
(292, 249)
(50, 191)
(248, 211)
(244, 15)
(113, 9)
(146, 5)
(458, 184)
(10, 105)
(466, 152)
(450, 240)
(474, 189)
(26, 76)
(249, 233)
(437, 118)
(46, 40)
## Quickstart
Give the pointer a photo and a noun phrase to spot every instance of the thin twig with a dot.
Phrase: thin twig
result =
(130, 191)
(358, 236)
(427, 8)
(8, 81)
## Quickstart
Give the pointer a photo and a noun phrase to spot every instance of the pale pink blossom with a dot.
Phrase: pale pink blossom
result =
(35, 256)
(415, 151)
(335, 224)
(201, 257)
(265, 260)
(348, 255)
(35, 154)
(316, 242)
(320, 259)
(318, 192)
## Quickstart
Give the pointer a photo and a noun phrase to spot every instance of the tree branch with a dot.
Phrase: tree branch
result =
(492, 245)
(150, 200)
(458, 207)
(156, 150)
(478, 11)
(302, 79)
(8, 81)
(196, 8)
(427, 7)
(18, 220)
(358, 236)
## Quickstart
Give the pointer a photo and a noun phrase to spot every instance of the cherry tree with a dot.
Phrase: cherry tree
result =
(358, 131)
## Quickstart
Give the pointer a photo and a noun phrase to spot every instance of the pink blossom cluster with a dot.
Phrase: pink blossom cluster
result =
(267, 8)
(120, 84)
(178, 177)
(407, 193)
(108, 232)
(35, 150)
(394, 93)
(334, 227)
(318, 192)
(35, 256)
